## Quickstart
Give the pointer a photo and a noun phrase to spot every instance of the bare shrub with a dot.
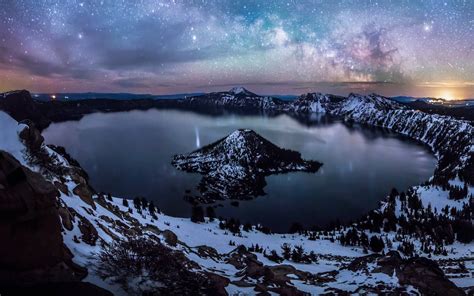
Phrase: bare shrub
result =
(145, 267)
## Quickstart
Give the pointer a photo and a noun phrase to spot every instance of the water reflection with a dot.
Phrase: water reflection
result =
(129, 154)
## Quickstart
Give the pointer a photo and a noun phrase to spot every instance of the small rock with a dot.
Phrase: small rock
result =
(170, 238)
(62, 187)
(66, 218)
(89, 233)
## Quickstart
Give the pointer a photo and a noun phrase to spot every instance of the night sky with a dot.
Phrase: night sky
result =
(418, 48)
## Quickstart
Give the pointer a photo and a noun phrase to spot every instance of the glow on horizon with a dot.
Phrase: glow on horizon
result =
(447, 95)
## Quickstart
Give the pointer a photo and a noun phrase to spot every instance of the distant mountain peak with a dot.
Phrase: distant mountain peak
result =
(239, 90)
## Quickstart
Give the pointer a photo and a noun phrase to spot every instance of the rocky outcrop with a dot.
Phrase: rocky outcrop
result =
(236, 166)
(265, 279)
(21, 106)
(32, 246)
(421, 273)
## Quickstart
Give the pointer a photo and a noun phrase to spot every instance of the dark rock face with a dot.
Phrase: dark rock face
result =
(21, 106)
(236, 166)
(32, 247)
(422, 273)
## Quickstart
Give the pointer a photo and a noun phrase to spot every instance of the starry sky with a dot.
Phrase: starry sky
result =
(392, 47)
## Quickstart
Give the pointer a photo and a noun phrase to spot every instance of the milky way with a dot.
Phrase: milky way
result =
(393, 47)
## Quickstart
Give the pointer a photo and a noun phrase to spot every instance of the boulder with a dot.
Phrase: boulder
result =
(66, 218)
(62, 187)
(422, 273)
(85, 193)
(170, 238)
(21, 106)
(208, 252)
(218, 283)
(88, 231)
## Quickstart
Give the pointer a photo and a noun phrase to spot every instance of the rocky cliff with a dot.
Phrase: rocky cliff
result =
(32, 245)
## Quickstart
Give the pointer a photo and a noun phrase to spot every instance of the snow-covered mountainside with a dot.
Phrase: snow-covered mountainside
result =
(418, 241)
(236, 166)
(314, 103)
(452, 140)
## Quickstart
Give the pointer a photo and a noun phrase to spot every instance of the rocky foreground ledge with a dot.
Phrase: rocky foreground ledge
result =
(236, 166)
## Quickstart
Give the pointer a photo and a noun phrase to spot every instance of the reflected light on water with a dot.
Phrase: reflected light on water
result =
(198, 140)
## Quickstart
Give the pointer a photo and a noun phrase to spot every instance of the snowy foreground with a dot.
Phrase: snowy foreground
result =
(91, 220)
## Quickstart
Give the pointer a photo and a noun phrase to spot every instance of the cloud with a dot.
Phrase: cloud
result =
(88, 44)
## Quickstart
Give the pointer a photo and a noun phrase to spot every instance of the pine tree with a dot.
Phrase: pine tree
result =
(376, 244)
(247, 227)
(151, 208)
(296, 228)
(137, 203)
(297, 254)
(144, 203)
(210, 213)
(197, 214)
(286, 251)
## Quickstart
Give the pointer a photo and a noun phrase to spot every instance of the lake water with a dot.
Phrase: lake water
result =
(128, 154)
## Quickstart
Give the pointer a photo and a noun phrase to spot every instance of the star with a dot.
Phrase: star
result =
(427, 27)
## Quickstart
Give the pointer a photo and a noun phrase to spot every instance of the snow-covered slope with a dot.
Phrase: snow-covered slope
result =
(9, 137)
(314, 103)
(236, 98)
